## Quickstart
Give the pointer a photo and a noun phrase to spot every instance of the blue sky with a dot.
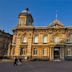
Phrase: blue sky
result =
(43, 12)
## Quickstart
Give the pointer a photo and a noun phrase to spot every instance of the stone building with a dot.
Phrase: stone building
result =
(5, 40)
(53, 41)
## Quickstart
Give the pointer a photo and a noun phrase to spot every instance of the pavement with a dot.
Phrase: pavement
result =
(40, 66)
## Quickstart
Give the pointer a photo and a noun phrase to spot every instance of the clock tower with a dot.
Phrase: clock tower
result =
(25, 18)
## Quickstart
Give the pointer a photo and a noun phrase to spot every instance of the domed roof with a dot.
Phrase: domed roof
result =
(25, 12)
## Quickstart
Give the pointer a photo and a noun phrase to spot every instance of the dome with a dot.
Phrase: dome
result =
(25, 12)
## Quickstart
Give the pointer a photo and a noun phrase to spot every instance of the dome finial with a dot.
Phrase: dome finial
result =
(26, 10)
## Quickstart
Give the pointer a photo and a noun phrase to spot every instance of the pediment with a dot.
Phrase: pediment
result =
(56, 24)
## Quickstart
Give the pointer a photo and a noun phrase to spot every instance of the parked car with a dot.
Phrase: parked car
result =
(68, 58)
(39, 59)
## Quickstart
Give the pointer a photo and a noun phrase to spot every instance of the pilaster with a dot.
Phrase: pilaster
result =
(29, 52)
(17, 48)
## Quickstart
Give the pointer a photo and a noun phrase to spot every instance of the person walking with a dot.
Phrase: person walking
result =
(15, 61)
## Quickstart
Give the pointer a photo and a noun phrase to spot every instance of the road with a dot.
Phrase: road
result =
(46, 66)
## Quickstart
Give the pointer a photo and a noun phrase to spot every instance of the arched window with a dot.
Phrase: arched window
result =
(35, 51)
(57, 40)
(24, 39)
(35, 39)
(44, 39)
(21, 21)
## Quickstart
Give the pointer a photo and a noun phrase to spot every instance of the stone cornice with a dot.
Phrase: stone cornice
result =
(41, 28)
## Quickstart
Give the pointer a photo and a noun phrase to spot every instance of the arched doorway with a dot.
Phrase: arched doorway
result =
(56, 52)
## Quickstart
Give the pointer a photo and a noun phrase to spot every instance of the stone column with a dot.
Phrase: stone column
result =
(51, 53)
(62, 53)
(40, 38)
(48, 52)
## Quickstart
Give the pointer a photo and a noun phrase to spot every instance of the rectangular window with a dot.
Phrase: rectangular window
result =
(24, 39)
(35, 51)
(22, 51)
(69, 52)
(44, 52)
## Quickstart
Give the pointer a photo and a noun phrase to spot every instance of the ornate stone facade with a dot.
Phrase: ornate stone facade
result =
(53, 41)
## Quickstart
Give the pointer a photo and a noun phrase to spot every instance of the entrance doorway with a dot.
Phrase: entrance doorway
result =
(56, 52)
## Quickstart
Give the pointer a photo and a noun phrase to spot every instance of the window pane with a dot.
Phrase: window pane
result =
(45, 39)
(22, 51)
(57, 40)
(35, 51)
(24, 39)
(44, 51)
(36, 39)
(69, 51)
